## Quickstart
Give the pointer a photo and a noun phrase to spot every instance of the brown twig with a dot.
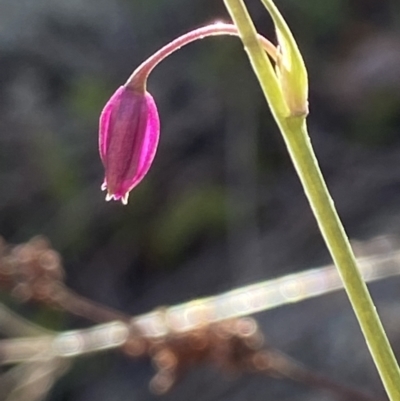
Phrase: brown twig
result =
(276, 363)
(71, 302)
(33, 272)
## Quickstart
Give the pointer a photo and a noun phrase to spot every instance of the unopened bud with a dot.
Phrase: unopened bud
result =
(128, 139)
(290, 67)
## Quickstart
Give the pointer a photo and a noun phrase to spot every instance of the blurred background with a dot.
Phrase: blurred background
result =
(221, 206)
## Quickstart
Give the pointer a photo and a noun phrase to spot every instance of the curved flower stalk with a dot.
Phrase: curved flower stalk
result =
(129, 123)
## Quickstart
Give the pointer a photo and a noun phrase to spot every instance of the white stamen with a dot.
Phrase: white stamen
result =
(124, 199)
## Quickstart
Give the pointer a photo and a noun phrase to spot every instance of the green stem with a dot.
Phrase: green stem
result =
(295, 134)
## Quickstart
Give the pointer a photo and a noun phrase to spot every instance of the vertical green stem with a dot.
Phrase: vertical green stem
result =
(295, 134)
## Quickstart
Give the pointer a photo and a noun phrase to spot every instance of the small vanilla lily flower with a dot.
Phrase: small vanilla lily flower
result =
(128, 139)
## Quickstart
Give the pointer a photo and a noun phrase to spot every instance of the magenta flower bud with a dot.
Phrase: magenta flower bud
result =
(128, 139)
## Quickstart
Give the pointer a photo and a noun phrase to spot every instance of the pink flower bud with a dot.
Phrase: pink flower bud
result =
(128, 139)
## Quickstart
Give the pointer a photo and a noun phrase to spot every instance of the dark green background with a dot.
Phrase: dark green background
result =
(221, 206)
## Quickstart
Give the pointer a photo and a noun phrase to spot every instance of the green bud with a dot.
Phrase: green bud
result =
(290, 67)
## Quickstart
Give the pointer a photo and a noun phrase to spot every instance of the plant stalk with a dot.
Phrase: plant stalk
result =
(295, 135)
